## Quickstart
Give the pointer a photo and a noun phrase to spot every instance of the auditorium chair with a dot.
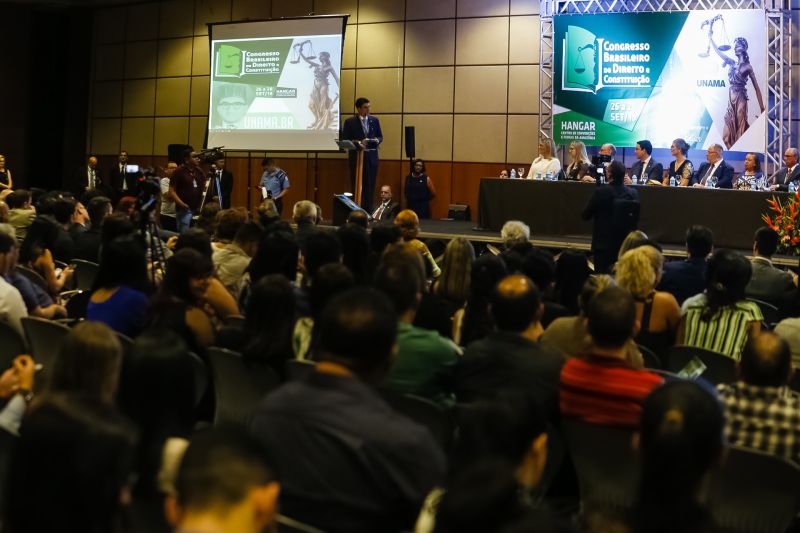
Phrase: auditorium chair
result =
(754, 492)
(85, 274)
(719, 368)
(125, 341)
(607, 469)
(235, 321)
(425, 413)
(295, 369)
(651, 360)
(11, 345)
(200, 375)
(237, 387)
(771, 313)
(44, 339)
(290, 525)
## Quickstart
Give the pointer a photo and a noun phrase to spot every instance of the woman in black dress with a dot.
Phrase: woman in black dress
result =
(681, 168)
(419, 190)
(5, 175)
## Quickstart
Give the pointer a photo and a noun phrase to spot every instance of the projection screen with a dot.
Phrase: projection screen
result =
(274, 84)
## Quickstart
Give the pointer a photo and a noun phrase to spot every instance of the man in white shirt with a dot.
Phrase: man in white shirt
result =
(167, 203)
(788, 174)
(12, 308)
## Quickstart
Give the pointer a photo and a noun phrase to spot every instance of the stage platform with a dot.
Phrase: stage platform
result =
(446, 229)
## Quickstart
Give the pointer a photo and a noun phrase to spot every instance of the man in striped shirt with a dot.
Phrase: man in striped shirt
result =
(602, 388)
(761, 412)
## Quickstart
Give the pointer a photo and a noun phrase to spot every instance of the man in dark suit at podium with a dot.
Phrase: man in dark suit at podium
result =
(365, 131)
(646, 168)
(715, 167)
(790, 173)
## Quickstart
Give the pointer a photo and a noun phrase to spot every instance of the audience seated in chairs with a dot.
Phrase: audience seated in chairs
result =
(35, 253)
(348, 462)
(454, 283)
(424, 362)
(75, 439)
(638, 271)
(231, 262)
(769, 283)
(720, 319)
(226, 483)
(12, 306)
(276, 254)
(572, 271)
(511, 357)
(355, 251)
(538, 264)
(120, 296)
(602, 388)
(87, 243)
(761, 412)
(20, 212)
(474, 321)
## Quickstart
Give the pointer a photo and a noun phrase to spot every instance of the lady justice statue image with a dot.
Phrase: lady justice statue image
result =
(320, 103)
(739, 71)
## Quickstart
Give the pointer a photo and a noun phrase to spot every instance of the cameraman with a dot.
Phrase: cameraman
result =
(186, 189)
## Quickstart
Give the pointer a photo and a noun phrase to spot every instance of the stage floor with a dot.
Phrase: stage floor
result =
(446, 229)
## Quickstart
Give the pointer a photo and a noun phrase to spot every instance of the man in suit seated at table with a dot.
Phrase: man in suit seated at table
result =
(714, 166)
(789, 174)
(387, 210)
(646, 168)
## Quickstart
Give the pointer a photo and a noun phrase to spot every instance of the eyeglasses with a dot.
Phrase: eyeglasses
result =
(234, 105)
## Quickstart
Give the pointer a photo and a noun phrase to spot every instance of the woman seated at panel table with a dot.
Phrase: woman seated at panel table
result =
(580, 169)
(546, 162)
(682, 169)
(752, 179)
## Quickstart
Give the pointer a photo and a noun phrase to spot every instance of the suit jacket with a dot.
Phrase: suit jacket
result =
(353, 131)
(781, 179)
(116, 177)
(724, 175)
(390, 213)
(80, 180)
(606, 236)
(683, 279)
(225, 188)
(654, 170)
(770, 284)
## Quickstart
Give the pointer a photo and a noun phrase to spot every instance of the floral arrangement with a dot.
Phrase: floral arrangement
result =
(783, 219)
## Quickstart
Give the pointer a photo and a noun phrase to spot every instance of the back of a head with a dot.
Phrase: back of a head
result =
(616, 171)
(358, 329)
(116, 225)
(78, 457)
(46, 202)
(276, 254)
(766, 361)
(515, 305)
(122, 262)
(699, 241)
(487, 271)
(18, 198)
(408, 222)
(228, 223)
(572, 271)
(612, 317)
(63, 210)
(636, 270)
(358, 217)
(88, 363)
(196, 239)
(248, 233)
(320, 248)
(766, 241)
(220, 468)
(383, 235)
(727, 275)
(632, 240)
(594, 285)
(271, 304)
(330, 280)
(98, 209)
(355, 247)
(681, 437)
(540, 267)
(400, 276)
(454, 282)
(304, 210)
(515, 232)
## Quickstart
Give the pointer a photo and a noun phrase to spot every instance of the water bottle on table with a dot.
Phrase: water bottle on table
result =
(635, 179)
(513, 174)
(672, 181)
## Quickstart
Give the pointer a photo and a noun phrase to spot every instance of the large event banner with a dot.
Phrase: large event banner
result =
(699, 75)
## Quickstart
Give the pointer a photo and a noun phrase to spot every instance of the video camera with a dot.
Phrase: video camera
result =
(209, 155)
(149, 190)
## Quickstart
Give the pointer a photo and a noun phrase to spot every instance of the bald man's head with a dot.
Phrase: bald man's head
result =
(516, 303)
(766, 361)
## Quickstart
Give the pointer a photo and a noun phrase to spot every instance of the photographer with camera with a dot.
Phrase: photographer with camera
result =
(186, 189)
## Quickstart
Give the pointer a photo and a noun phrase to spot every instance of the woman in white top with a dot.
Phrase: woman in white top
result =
(546, 161)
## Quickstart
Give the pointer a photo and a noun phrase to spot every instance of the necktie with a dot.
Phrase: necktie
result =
(124, 181)
(378, 212)
(365, 125)
(644, 168)
(708, 174)
(91, 178)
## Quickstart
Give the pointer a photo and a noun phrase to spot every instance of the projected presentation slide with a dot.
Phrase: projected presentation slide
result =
(699, 75)
(275, 84)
